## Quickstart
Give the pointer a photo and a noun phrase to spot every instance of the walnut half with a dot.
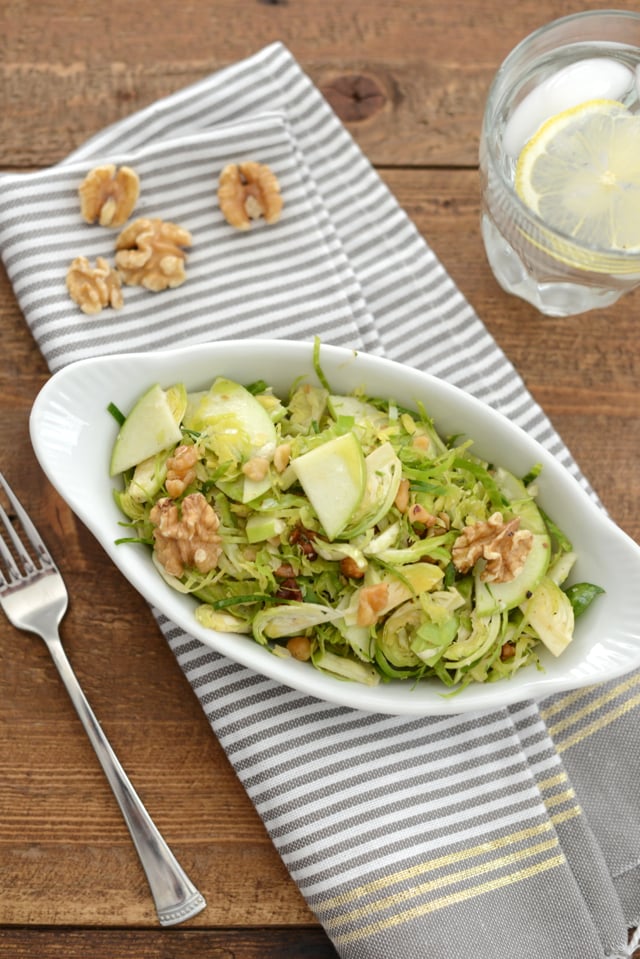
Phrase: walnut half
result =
(109, 195)
(504, 547)
(93, 287)
(186, 534)
(247, 191)
(149, 254)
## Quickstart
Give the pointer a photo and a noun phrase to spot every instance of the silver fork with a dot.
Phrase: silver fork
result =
(34, 598)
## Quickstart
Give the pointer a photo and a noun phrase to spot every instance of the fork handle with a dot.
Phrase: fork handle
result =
(175, 896)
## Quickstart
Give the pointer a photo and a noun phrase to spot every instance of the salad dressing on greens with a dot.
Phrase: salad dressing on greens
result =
(336, 523)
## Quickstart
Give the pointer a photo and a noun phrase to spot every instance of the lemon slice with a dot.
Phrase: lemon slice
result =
(581, 174)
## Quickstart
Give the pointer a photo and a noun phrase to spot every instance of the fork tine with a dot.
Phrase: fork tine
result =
(10, 573)
(31, 533)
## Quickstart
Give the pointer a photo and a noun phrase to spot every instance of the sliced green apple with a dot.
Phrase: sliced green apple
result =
(383, 475)
(149, 428)
(262, 526)
(520, 500)
(236, 427)
(333, 476)
(235, 424)
(252, 489)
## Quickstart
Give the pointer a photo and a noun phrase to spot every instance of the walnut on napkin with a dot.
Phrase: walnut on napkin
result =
(109, 195)
(248, 191)
(149, 253)
(94, 287)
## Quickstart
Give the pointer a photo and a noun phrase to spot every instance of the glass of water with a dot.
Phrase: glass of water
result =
(560, 164)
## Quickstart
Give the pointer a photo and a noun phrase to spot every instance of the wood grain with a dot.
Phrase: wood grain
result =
(410, 80)
(258, 943)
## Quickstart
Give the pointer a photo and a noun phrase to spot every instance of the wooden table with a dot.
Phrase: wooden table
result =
(409, 79)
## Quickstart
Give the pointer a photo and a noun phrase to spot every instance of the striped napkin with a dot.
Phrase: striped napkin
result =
(501, 833)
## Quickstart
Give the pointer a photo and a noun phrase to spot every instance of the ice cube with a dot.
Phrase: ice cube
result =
(589, 79)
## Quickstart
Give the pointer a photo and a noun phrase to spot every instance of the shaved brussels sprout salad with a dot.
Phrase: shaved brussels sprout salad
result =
(343, 530)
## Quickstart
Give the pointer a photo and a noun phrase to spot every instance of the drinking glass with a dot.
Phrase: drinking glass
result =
(584, 57)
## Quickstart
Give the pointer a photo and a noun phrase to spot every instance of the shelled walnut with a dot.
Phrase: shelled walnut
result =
(504, 547)
(247, 191)
(186, 535)
(93, 287)
(181, 469)
(109, 195)
(149, 254)
(372, 600)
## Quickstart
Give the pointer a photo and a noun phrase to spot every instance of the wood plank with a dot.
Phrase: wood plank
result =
(289, 943)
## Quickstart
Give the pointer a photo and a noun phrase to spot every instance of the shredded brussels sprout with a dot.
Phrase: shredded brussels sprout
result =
(375, 590)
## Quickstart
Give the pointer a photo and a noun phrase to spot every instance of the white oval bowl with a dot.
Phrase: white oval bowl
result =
(73, 433)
